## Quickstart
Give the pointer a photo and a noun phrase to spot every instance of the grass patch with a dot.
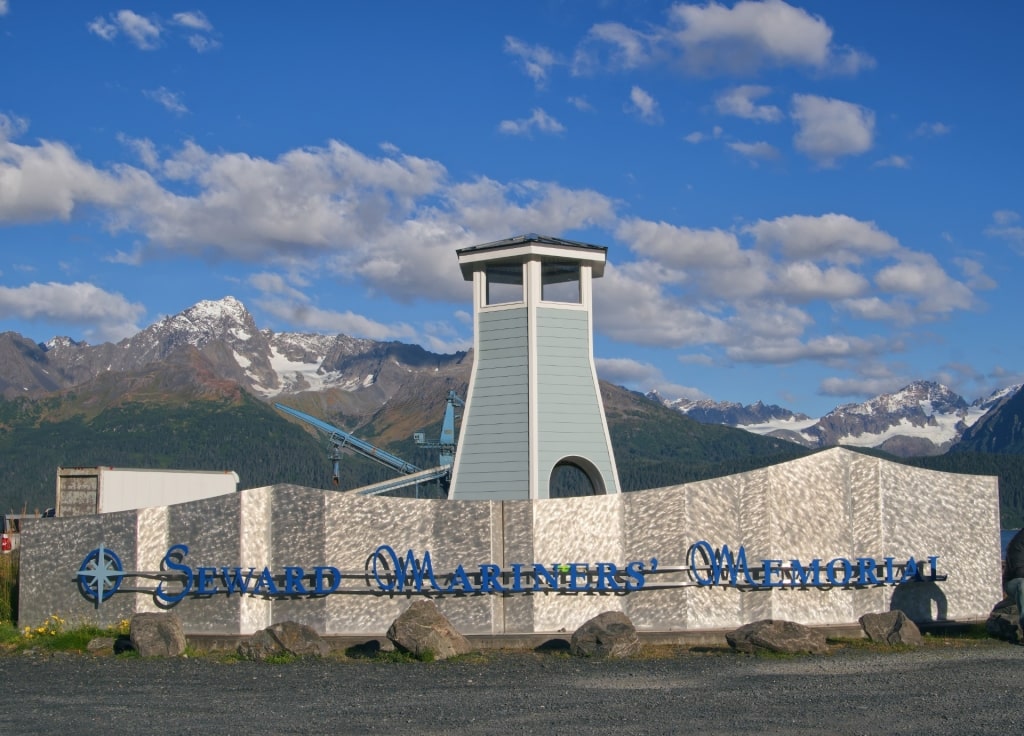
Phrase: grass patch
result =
(9, 634)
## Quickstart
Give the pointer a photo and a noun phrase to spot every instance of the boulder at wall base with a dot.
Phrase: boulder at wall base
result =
(610, 634)
(286, 637)
(1003, 622)
(157, 634)
(892, 628)
(423, 631)
(784, 637)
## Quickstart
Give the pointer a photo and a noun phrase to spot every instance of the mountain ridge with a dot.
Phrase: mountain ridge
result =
(339, 374)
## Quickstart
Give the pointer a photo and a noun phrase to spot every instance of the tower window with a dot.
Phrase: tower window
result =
(504, 283)
(560, 282)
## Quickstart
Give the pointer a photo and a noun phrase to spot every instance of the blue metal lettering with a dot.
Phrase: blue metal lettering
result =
(606, 572)
(293, 581)
(412, 567)
(910, 571)
(769, 568)
(318, 580)
(551, 578)
(732, 565)
(635, 574)
(490, 579)
(172, 561)
(459, 577)
(380, 558)
(830, 571)
(576, 574)
(233, 581)
(517, 577)
(265, 584)
(866, 571)
(707, 554)
(933, 563)
(800, 574)
(204, 577)
(890, 571)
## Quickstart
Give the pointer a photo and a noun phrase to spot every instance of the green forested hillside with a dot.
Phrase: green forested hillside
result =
(654, 447)
(247, 437)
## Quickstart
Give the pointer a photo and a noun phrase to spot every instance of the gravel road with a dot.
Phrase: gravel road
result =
(968, 687)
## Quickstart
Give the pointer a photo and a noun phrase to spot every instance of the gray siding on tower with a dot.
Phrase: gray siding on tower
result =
(568, 401)
(494, 457)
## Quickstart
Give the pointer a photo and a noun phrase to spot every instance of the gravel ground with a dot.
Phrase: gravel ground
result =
(963, 687)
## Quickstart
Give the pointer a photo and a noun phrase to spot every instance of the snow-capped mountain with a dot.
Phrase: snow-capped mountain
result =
(922, 418)
(225, 336)
(217, 344)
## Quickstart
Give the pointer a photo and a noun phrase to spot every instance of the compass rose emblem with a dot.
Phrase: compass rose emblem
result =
(100, 575)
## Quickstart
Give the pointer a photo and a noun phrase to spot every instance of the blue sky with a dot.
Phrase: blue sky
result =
(807, 204)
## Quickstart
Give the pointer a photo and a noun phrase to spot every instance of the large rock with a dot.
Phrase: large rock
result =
(785, 637)
(610, 634)
(157, 634)
(286, 637)
(1003, 622)
(424, 632)
(892, 628)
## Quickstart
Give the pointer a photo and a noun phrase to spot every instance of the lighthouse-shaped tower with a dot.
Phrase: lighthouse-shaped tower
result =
(534, 412)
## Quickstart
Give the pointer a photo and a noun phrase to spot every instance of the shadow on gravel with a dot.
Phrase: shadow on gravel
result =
(553, 645)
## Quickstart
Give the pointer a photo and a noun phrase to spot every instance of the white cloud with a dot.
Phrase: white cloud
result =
(324, 320)
(894, 161)
(806, 281)
(643, 377)
(831, 347)
(580, 103)
(633, 307)
(103, 28)
(389, 224)
(752, 35)
(627, 49)
(834, 237)
(11, 127)
(876, 309)
(144, 148)
(170, 101)
(202, 44)
(920, 275)
(679, 247)
(3, 7)
(862, 386)
(276, 284)
(194, 20)
(110, 315)
(739, 101)
(829, 129)
(695, 137)
(932, 130)
(760, 150)
(538, 120)
(142, 32)
(975, 275)
(644, 105)
(1003, 227)
(48, 181)
(536, 60)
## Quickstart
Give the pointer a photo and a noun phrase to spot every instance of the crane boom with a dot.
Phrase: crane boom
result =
(342, 440)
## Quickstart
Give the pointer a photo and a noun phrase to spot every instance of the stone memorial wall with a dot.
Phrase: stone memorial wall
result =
(843, 534)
